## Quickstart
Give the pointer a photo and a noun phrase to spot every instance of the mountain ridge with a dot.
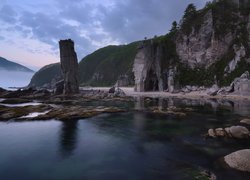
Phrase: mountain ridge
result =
(12, 66)
(208, 46)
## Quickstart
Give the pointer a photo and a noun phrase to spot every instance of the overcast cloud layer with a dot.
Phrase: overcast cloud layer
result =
(30, 30)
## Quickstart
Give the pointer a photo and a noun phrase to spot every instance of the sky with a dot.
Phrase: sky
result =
(30, 30)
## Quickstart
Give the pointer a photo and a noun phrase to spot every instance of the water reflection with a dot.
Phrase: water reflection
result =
(240, 107)
(68, 138)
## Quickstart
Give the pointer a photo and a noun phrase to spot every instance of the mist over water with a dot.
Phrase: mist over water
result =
(14, 78)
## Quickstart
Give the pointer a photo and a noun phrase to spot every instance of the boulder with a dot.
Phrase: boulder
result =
(239, 132)
(119, 92)
(112, 90)
(219, 132)
(239, 160)
(245, 121)
(211, 133)
(213, 90)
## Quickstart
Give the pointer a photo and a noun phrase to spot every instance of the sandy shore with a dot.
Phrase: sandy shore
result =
(192, 95)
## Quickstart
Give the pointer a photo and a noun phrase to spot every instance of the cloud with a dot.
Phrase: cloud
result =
(90, 23)
(7, 14)
(136, 19)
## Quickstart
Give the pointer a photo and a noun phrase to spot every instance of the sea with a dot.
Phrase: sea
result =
(14, 79)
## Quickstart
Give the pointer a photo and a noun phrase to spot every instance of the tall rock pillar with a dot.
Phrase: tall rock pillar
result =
(69, 66)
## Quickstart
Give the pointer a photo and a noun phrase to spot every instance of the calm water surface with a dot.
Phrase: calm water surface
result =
(132, 145)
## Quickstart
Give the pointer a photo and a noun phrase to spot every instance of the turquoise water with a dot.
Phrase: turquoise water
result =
(132, 145)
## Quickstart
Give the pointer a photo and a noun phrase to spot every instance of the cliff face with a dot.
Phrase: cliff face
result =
(201, 47)
(147, 68)
(69, 66)
(210, 46)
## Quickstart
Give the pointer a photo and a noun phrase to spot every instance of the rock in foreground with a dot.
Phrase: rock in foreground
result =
(239, 160)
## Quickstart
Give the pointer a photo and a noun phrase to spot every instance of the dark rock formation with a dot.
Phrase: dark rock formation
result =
(69, 66)
(59, 87)
(117, 92)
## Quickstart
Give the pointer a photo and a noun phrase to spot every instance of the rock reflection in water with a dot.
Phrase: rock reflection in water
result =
(68, 138)
(240, 107)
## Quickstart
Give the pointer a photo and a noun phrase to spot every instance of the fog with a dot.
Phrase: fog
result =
(14, 78)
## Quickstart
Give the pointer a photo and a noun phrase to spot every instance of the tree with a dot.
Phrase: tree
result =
(174, 27)
(190, 12)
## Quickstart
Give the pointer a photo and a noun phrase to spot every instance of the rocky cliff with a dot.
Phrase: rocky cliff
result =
(209, 46)
(69, 66)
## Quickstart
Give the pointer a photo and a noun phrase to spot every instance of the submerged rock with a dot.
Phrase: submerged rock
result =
(77, 112)
(239, 160)
(7, 113)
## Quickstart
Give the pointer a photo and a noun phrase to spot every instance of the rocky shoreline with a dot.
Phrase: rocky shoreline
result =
(22, 104)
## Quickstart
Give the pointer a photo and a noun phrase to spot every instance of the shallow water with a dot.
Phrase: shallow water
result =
(132, 145)
(35, 114)
(21, 104)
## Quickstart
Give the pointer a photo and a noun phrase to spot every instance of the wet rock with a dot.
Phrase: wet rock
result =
(239, 132)
(112, 90)
(77, 112)
(7, 113)
(41, 93)
(15, 101)
(19, 93)
(211, 133)
(69, 65)
(219, 132)
(239, 160)
(59, 87)
(245, 121)
(117, 92)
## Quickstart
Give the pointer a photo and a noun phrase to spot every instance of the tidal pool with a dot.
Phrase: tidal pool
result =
(133, 145)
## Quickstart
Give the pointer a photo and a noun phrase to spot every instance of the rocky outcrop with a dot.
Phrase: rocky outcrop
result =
(202, 48)
(240, 86)
(147, 68)
(69, 66)
(238, 132)
(118, 92)
(240, 52)
(239, 160)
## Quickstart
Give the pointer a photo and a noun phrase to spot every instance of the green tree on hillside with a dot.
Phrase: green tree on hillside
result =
(190, 12)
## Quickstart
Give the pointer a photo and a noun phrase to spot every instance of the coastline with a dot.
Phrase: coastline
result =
(129, 91)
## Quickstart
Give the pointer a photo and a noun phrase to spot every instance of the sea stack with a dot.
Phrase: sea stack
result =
(69, 65)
